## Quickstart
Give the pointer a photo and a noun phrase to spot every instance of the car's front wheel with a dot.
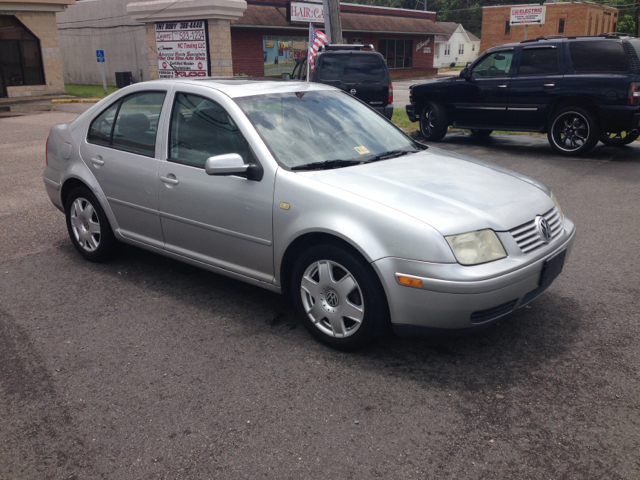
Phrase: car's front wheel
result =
(618, 139)
(434, 122)
(338, 297)
(88, 226)
(573, 131)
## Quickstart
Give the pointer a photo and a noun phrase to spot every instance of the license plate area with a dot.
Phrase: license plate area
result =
(552, 268)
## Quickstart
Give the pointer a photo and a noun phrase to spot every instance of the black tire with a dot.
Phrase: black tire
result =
(88, 226)
(618, 139)
(573, 131)
(328, 283)
(480, 133)
(434, 122)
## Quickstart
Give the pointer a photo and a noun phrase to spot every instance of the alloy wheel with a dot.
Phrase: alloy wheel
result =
(332, 298)
(570, 131)
(85, 224)
(427, 122)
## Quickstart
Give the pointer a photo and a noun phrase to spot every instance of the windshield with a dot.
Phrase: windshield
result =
(303, 128)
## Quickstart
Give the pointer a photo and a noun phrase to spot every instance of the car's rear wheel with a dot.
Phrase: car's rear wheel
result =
(88, 226)
(618, 139)
(434, 122)
(573, 131)
(480, 133)
(338, 297)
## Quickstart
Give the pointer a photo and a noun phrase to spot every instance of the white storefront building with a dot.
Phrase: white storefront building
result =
(458, 47)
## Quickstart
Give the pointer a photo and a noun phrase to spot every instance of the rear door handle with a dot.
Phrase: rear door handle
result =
(97, 160)
(502, 86)
(549, 85)
(170, 179)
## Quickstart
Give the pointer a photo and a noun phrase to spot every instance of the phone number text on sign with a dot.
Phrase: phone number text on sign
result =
(182, 49)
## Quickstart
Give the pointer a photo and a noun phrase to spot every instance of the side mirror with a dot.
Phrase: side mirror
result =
(286, 76)
(465, 73)
(227, 164)
(468, 64)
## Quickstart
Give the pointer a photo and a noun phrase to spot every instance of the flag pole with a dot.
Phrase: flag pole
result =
(308, 50)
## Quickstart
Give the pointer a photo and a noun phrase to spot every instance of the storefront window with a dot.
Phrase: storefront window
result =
(397, 53)
(20, 58)
(281, 54)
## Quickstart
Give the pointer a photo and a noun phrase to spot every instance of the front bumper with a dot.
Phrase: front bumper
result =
(411, 112)
(444, 304)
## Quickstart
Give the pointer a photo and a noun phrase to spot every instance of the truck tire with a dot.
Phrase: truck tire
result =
(618, 139)
(573, 131)
(434, 122)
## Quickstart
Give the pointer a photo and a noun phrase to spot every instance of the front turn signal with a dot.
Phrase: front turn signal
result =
(410, 282)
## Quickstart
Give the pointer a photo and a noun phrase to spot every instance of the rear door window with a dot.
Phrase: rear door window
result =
(100, 129)
(137, 123)
(598, 56)
(353, 68)
(538, 61)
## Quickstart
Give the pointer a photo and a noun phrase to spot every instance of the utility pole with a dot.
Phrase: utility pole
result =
(335, 34)
(635, 18)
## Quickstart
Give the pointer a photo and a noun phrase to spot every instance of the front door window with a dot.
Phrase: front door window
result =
(497, 64)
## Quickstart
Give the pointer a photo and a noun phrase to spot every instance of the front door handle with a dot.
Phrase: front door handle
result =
(97, 160)
(502, 86)
(170, 179)
(549, 85)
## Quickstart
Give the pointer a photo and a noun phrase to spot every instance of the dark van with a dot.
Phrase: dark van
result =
(364, 74)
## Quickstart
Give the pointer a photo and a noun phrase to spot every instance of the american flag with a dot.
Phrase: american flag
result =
(316, 40)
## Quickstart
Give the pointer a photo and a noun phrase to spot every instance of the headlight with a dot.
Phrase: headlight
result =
(476, 247)
(555, 200)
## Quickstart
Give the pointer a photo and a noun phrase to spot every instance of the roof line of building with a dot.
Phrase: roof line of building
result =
(551, 3)
(386, 8)
(276, 27)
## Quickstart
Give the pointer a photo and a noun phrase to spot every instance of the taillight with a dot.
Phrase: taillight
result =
(390, 99)
(46, 152)
(634, 94)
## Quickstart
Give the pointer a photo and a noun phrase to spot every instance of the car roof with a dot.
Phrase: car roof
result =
(236, 87)
(559, 38)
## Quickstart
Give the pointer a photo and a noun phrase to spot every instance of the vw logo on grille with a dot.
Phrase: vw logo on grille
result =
(543, 228)
(333, 299)
(352, 91)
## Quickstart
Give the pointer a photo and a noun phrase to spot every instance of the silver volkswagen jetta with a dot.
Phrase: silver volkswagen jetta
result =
(304, 190)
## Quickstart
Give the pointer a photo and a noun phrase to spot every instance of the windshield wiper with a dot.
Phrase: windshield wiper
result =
(390, 154)
(327, 164)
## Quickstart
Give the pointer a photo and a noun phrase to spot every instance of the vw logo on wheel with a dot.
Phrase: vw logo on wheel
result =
(543, 228)
(352, 91)
(332, 299)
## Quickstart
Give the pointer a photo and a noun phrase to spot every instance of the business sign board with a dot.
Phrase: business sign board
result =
(182, 49)
(305, 12)
(533, 15)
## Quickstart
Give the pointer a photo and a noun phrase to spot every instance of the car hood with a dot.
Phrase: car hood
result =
(451, 193)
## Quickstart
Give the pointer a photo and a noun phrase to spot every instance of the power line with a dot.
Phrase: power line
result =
(93, 20)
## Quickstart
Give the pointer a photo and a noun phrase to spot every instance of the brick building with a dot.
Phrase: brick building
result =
(30, 61)
(264, 42)
(566, 18)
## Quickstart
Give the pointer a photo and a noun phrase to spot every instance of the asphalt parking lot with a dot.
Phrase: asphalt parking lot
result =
(145, 368)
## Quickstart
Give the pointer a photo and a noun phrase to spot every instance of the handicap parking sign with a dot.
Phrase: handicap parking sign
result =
(100, 55)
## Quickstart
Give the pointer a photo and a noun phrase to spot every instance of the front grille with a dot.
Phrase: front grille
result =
(492, 313)
(527, 236)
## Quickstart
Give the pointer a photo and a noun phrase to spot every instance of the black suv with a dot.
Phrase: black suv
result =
(578, 90)
(364, 74)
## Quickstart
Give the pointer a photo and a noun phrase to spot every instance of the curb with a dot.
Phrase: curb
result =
(75, 100)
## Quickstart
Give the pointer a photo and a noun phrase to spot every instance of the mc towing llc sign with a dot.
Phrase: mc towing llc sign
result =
(182, 49)
(533, 15)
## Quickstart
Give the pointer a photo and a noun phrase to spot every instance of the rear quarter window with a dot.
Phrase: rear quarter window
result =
(600, 56)
(353, 68)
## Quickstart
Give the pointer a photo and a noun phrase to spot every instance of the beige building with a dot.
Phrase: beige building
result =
(564, 18)
(30, 62)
